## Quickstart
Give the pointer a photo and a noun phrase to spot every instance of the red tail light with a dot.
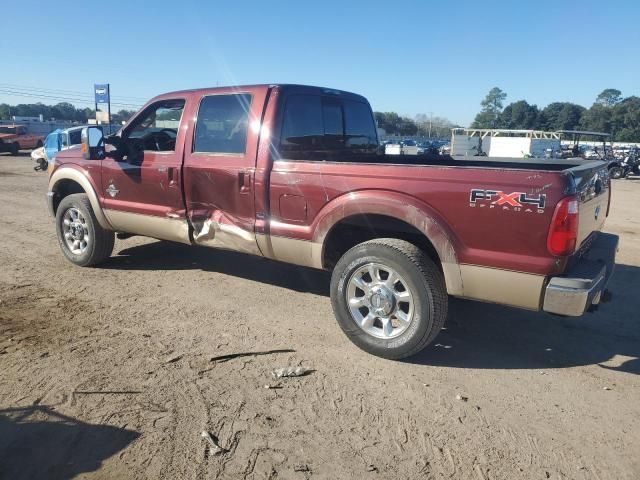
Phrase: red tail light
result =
(563, 233)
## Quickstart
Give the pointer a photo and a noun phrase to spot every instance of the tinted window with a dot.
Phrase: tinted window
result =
(302, 129)
(327, 128)
(74, 137)
(332, 117)
(222, 124)
(359, 125)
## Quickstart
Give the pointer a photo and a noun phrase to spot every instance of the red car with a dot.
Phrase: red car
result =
(14, 138)
(294, 173)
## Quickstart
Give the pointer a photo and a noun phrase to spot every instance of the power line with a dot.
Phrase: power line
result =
(87, 101)
(56, 91)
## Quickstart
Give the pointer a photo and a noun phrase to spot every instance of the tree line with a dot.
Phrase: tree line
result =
(423, 125)
(63, 111)
(610, 113)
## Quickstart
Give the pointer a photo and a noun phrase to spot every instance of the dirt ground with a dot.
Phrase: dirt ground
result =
(114, 372)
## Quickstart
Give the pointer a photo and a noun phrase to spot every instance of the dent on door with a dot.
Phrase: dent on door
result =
(221, 231)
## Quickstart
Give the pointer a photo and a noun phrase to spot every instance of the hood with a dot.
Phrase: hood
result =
(38, 153)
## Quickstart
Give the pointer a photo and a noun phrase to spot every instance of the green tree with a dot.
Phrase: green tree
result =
(609, 97)
(625, 120)
(561, 116)
(491, 108)
(597, 119)
(519, 115)
(394, 124)
(5, 111)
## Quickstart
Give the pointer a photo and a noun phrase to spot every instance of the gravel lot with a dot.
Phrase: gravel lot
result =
(114, 372)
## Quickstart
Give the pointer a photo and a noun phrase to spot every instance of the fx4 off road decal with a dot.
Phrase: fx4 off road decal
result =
(515, 201)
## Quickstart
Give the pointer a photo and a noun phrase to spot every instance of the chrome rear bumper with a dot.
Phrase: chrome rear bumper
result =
(583, 284)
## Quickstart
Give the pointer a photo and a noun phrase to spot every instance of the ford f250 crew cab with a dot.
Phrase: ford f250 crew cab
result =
(294, 173)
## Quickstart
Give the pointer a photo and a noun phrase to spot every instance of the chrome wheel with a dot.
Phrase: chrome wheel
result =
(380, 301)
(75, 231)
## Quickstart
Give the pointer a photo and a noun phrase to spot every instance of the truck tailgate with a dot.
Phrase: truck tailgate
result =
(592, 187)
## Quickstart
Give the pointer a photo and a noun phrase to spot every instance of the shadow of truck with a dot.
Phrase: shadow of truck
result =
(37, 442)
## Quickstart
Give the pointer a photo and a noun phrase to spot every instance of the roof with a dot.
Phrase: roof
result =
(287, 86)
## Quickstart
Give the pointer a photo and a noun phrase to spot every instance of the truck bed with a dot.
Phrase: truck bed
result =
(541, 164)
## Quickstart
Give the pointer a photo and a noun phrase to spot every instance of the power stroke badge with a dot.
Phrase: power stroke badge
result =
(515, 201)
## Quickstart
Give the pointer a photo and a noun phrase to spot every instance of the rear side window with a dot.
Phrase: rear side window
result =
(222, 125)
(326, 128)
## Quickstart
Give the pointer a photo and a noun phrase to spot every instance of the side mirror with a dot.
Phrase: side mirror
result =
(92, 143)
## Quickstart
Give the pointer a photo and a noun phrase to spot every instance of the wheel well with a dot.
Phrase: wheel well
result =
(64, 188)
(360, 228)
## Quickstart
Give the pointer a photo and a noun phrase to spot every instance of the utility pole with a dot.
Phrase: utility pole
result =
(430, 122)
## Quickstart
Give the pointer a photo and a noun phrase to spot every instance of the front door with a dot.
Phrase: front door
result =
(219, 169)
(142, 192)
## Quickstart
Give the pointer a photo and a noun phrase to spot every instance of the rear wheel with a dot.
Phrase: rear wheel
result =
(389, 297)
(616, 172)
(81, 238)
(39, 144)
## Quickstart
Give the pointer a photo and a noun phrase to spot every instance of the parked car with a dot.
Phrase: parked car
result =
(14, 138)
(294, 173)
(55, 142)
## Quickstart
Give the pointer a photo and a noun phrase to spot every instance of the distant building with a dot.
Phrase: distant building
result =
(19, 119)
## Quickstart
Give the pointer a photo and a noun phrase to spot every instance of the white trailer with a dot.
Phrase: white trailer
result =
(503, 143)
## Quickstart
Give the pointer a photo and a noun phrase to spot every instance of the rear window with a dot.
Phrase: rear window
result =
(326, 128)
(359, 125)
(222, 125)
(302, 128)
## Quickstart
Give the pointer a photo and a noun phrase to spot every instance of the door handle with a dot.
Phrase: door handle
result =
(244, 181)
(172, 175)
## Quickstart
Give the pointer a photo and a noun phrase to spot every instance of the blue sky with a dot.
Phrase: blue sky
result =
(410, 57)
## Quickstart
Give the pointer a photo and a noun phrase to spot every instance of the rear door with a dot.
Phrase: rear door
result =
(219, 168)
(143, 195)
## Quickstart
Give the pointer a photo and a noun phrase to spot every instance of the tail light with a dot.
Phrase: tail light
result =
(563, 233)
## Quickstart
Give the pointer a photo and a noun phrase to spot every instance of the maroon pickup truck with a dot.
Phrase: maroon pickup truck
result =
(294, 173)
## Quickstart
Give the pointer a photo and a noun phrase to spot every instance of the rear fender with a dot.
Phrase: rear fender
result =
(403, 207)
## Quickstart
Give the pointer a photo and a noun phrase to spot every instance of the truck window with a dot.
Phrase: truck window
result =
(359, 125)
(302, 128)
(75, 137)
(222, 124)
(157, 126)
(326, 128)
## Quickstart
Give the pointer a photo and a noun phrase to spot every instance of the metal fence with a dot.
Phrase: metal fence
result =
(45, 128)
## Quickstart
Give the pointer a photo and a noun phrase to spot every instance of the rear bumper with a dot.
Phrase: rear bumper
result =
(584, 283)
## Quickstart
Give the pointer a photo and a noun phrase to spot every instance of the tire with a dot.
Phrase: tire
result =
(416, 273)
(97, 242)
(39, 144)
(616, 172)
(15, 148)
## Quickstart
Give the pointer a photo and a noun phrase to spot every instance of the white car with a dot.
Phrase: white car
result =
(55, 142)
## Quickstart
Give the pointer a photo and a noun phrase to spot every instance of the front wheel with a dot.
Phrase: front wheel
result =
(15, 148)
(39, 144)
(389, 297)
(81, 238)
